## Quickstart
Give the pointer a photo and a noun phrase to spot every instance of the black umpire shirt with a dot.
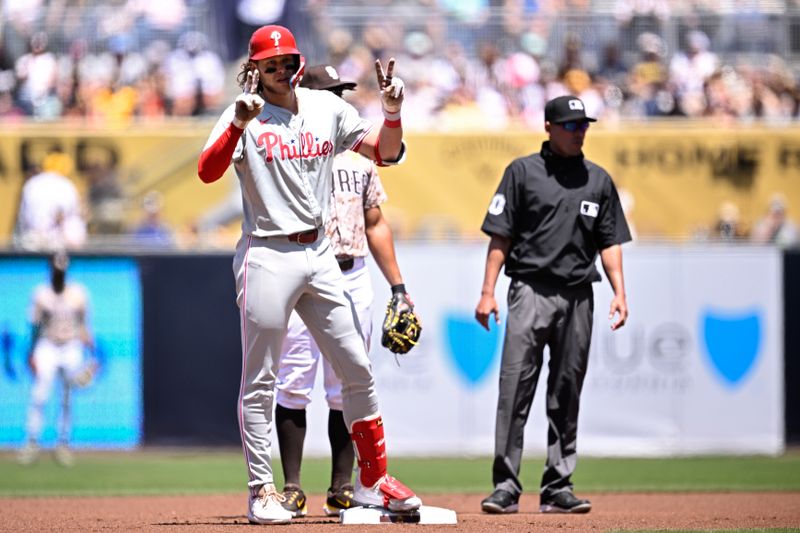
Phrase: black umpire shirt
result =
(558, 212)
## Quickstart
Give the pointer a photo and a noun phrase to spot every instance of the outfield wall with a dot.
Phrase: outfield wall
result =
(677, 174)
(698, 369)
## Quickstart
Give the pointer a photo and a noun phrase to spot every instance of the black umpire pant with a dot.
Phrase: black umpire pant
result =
(539, 316)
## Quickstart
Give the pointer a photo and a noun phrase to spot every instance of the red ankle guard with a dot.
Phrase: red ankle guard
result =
(370, 447)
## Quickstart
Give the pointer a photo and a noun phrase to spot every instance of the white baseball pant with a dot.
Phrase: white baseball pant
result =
(273, 277)
(301, 354)
(50, 359)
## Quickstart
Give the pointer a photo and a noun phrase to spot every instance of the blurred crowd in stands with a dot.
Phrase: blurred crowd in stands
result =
(467, 64)
(487, 62)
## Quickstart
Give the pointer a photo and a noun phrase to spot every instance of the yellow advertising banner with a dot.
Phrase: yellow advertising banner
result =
(675, 180)
(674, 177)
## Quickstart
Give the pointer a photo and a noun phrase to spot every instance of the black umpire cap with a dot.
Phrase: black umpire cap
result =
(565, 109)
(324, 77)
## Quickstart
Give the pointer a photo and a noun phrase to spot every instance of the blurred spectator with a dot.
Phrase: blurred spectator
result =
(144, 58)
(638, 16)
(775, 227)
(50, 213)
(429, 78)
(650, 92)
(37, 73)
(690, 69)
(728, 226)
(194, 76)
(113, 98)
(612, 67)
(572, 58)
(152, 231)
(20, 20)
(650, 69)
(9, 111)
(158, 19)
(106, 197)
(523, 75)
(578, 83)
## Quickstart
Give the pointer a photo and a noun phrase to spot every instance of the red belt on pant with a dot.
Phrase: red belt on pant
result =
(304, 237)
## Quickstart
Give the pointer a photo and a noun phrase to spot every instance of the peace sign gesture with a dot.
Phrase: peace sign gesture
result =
(391, 88)
(249, 104)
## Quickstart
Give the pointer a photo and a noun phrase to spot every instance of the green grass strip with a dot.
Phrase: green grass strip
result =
(195, 472)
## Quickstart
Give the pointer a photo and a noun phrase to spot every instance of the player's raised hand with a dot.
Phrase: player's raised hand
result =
(391, 87)
(249, 104)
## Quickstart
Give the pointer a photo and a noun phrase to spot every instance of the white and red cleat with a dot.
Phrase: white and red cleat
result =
(374, 486)
(387, 492)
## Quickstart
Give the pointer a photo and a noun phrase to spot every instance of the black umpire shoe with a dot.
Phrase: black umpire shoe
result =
(500, 502)
(564, 502)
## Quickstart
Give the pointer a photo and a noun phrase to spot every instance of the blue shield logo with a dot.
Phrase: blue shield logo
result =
(732, 341)
(471, 347)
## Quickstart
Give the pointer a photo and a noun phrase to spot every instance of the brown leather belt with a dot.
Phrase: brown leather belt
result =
(346, 263)
(304, 237)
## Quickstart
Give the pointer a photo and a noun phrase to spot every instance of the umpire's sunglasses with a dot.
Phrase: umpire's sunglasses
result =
(575, 125)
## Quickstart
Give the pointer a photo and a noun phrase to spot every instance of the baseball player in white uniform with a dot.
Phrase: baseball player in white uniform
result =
(355, 227)
(59, 312)
(282, 140)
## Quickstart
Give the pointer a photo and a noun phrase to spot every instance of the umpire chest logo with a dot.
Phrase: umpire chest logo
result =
(590, 209)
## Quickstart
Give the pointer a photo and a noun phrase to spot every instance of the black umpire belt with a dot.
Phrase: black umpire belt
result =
(346, 263)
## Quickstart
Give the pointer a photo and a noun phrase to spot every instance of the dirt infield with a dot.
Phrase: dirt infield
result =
(227, 512)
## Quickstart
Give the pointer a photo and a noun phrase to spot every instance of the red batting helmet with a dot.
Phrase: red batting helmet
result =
(271, 41)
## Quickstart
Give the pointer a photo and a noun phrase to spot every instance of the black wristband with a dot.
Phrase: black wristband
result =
(400, 288)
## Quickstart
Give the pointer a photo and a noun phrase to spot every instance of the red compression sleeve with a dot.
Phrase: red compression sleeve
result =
(215, 159)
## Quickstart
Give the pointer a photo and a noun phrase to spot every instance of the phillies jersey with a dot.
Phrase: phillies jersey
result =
(284, 161)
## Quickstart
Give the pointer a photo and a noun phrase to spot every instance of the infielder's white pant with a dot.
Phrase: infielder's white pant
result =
(274, 276)
(50, 360)
(301, 354)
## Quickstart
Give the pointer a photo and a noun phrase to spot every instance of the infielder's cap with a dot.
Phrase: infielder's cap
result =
(324, 77)
(271, 41)
(565, 109)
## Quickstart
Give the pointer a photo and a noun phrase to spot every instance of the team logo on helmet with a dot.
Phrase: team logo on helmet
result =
(276, 36)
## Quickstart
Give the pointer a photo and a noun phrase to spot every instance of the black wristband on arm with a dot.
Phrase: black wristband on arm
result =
(400, 288)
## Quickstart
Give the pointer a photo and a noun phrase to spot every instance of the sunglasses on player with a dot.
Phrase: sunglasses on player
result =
(272, 69)
(575, 125)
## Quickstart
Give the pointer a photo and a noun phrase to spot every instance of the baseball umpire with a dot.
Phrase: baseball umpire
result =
(553, 212)
(282, 140)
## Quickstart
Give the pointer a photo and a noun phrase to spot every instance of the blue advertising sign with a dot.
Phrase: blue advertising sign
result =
(106, 414)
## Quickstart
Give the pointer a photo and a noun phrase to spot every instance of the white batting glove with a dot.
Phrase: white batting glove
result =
(248, 104)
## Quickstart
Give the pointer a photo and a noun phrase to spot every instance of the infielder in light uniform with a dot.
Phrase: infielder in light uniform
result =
(355, 227)
(59, 313)
(282, 141)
